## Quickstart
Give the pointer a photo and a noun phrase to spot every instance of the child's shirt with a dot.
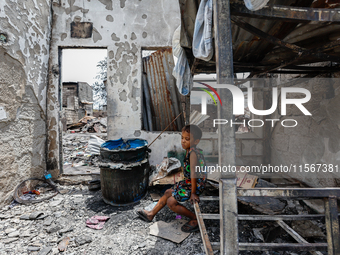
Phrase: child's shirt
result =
(200, 169)
(182, 189)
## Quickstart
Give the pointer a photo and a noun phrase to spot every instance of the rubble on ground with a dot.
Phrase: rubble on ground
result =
(88, 124)
(66, 216)
(77, 153)
(61, 222)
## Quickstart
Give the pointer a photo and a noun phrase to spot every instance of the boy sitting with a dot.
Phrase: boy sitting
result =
(189, 188)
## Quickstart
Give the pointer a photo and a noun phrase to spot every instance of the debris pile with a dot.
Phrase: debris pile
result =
(88, 124)
(73, 221)
(77, 151)
(60, 224)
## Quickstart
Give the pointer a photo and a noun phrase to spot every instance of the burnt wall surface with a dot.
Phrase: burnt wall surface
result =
(316, 138)
(24, 52)
(123, 28)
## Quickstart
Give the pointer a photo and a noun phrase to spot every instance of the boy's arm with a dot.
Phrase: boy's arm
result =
(193, 164)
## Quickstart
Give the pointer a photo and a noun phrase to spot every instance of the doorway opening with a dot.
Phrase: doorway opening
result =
(83, 102)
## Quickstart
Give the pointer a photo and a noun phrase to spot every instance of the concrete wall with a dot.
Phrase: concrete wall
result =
(124, 28)
(85, 92)
(74, 94)
(24, 52)
(69, 92)
(71, 116)
(316, 139)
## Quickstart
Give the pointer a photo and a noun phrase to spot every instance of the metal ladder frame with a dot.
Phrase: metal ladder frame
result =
(229, 217)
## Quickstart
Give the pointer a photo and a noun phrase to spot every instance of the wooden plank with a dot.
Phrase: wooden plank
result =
(288, 13)
(224, 75)
(276, 246)
(223, 42)
(209, 198)
(295, 235)
(283, 247)
(281, 217)
(207, 216)
(289, 192)
(228, 217)
(216, 245)
(210, 216)
(205, 238)
(332, 225)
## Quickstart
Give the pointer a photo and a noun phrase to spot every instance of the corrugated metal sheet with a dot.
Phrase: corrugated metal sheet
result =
(165, 99)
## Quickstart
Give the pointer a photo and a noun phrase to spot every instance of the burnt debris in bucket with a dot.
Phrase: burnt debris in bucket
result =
(124, 171)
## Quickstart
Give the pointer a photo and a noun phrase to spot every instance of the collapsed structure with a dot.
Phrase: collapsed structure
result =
(276, 40)
(77, 101)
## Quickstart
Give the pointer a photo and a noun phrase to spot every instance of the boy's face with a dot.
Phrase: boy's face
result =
(188, 140)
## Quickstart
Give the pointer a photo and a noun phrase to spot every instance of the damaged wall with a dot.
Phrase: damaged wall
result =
(316, 139)
(124, 28)
(24, 52)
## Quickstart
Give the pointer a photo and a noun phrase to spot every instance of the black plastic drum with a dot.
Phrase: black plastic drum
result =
(124, 184)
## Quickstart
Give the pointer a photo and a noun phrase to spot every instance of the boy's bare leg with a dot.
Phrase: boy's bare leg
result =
(180, 209)
(161, 203)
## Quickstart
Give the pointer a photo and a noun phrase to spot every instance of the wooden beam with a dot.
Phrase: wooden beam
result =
(228, 217)
(302, 52)
(223, 42)
(259, 217)
(295, 235)
(224, 73)
(251, 67)
(288, 13)
(332, 225)
(194, 66)
(329, 46)
(205, 238)
(209, 198)
(298, 247)
(293, 61)
(289, 192)
(278, 246)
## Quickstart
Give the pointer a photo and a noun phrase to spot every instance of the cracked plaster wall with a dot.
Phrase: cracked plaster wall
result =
(123, 27)
(316, 139)
(23, 81)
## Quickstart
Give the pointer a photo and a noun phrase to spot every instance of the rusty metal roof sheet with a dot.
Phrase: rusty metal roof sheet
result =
(165, 99)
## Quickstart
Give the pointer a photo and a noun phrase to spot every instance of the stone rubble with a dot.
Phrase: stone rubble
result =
(123, 233)
(76, 152)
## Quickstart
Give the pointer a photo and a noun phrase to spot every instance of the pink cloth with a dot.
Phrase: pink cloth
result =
(96, 222)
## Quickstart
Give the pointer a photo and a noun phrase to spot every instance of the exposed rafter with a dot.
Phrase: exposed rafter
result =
(302, 52)
(289, 13)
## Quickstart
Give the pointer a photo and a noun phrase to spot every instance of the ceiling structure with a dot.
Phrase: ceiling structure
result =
(283, 37)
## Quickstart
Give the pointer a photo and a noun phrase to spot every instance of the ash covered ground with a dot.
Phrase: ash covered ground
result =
(124, 233)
